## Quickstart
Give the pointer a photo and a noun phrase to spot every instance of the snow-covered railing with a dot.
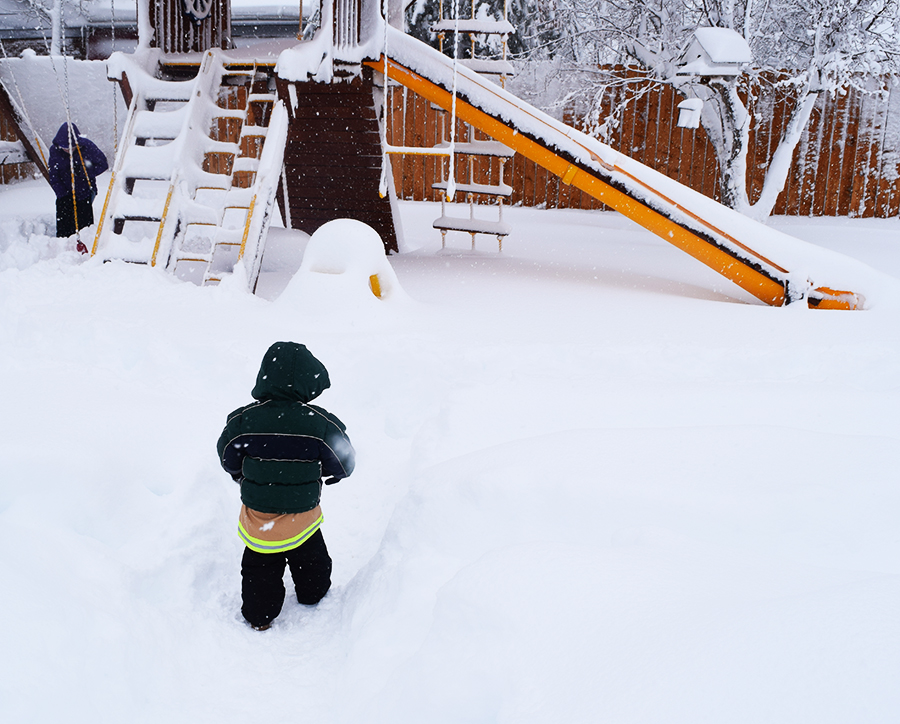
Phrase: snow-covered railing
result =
(12, 152)
(268, 176)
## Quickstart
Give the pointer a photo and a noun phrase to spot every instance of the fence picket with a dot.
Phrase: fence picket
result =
(841, 165)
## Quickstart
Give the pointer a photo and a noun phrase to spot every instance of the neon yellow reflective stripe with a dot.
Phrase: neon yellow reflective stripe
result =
(278, 546)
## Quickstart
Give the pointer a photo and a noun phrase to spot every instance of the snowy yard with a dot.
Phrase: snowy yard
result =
(596, 482)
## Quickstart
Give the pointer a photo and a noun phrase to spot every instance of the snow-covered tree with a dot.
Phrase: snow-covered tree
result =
(532, 19)
(49, 18)
(800, 47)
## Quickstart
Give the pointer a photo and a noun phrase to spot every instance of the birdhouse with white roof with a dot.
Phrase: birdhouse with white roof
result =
(714, 52)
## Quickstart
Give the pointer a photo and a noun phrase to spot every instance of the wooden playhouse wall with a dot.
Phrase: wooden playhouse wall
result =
(333, 155)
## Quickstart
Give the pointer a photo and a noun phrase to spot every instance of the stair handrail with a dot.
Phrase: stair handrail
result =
(265, 186)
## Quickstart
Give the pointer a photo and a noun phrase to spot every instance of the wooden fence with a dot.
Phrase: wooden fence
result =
(847, 163)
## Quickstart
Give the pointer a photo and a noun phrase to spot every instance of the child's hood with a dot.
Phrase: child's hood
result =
(62, 136)
(289, 371)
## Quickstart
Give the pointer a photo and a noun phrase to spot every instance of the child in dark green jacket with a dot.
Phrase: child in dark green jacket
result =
(281, 449)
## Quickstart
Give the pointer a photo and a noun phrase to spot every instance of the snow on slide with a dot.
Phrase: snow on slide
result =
(737, 247)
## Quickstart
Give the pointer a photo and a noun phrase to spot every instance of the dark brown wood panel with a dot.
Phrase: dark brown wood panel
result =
(333, 157)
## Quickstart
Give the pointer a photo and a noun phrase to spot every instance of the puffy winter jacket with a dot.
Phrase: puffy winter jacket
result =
(61, 169)
(281, 447)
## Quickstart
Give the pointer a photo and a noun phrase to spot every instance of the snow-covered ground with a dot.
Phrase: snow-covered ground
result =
(596, 483)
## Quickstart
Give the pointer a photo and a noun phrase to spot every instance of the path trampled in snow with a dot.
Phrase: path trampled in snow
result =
(595, 483)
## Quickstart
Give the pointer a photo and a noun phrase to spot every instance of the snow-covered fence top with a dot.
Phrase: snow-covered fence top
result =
(847, 162)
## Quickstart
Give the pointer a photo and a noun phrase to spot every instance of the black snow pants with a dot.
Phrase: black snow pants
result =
(65, 215)
(262, 574)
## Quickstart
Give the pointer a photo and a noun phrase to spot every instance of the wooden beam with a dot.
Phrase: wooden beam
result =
(9, 112)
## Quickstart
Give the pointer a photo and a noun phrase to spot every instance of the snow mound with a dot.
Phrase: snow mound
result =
(344, 266)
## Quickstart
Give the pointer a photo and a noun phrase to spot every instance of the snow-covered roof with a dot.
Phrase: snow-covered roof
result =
(715, 52)
(724, 45)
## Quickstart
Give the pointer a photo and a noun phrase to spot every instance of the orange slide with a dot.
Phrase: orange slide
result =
(568, 154)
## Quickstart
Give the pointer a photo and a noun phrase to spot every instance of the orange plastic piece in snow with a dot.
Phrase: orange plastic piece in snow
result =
(375, 285)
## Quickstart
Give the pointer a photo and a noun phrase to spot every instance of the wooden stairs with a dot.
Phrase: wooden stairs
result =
(194, 182)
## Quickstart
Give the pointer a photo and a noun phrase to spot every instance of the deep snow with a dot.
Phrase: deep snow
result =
(596, 483)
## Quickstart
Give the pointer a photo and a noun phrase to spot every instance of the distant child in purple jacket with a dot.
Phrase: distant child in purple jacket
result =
(73, 178)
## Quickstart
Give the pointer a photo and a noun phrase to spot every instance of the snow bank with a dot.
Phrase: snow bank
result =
(28, 228)
(594, 483)
(339, 263)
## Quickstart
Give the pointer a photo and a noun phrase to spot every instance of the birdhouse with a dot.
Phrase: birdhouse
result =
(714, 52)
(689, 113)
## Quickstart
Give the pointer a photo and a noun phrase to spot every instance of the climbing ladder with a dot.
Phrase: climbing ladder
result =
(473, 148)
(194, 181)
(474, 27)
(470, 150)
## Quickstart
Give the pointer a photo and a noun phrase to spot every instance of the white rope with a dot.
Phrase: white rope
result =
(64, 97)
(451, 177)
(382, 183)
(115, 97)
(71, 136)
(385, 114)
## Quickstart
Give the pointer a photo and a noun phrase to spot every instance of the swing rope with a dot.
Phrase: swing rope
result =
(115, 97)
(385, 114)
(385, 159)
(70, 134)
(451, 176)
(64, 97)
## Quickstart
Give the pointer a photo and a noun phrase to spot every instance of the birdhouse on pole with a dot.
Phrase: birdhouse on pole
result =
(714, 52)
(689, 113)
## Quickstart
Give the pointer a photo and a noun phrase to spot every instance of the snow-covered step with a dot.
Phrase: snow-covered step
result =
(248, 131)
(199, 238)
(480, 27)
(238, 197)
(147, 188)
(224, 257)
(471, 226)
(238, 72)
(194, 213)
(157, 89)
(133, 230)
(489, 66)
(149, 162)
(164, 126)
(245, 164)
(165, 105)
(197, 258)
(230, 237)
(140, 209)
(480, 148)
(235, 217)
(214, 197)
(474, 188)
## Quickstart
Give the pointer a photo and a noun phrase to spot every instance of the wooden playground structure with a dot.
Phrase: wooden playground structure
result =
(216, 138)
